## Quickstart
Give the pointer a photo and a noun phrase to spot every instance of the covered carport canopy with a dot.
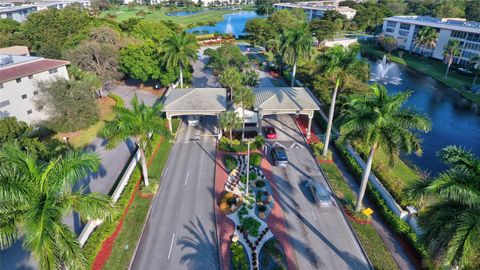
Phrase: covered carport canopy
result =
(194, 101)
(285, 100)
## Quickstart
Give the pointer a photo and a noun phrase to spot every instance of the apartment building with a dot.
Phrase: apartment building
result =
(20, 13)
(316, 9)
(405, 30)
(18, 77)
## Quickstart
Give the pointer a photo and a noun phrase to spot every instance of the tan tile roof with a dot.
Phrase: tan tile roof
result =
(15, 50)
(29, 68)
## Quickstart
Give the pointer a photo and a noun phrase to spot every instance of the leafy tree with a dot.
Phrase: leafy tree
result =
(245, 98)
(449, 9)
(140, 122)
(229, 120)
(10, 33)
(475, 64)
(337, 62)
(129, 24)
(99, 54)
(397, 7)
(332, 15)
(451, 221)
(36, 195)
(283, 20)
(451, 50)
(295, 46)
(472, 11)
(228, 55)
(51, 31)
(178, 51)
(266, 8)
(427, 38)
(260, 31)
(322, 29)
(379, 121)
(388, 43)
(156, 31)
(370, 16)
(250, 78)
(21, 133)
(231, 79)
(70, 103)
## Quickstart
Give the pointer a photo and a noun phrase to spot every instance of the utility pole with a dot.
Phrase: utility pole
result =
(248, 165)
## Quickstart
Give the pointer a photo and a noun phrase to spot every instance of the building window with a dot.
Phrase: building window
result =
(53, 70)
(19, 80)
(35, 92)
(390, 30)
(391, 24)
(4, 103)
(405, 26)
(24, 96)
(30, 77)
(29, 111)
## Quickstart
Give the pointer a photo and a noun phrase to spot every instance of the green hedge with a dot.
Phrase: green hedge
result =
(255, 159)
(228, 145)
(238, 257)
(230, 162)
(119, 101)
(96, 239)
(398, 225)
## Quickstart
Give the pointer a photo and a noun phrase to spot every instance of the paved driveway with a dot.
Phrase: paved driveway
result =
(202, 76)
(180, 232)
(320, 236)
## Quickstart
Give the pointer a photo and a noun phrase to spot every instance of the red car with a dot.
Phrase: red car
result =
(269, 133)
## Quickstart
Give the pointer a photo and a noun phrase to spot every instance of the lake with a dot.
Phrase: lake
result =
(454, 121)
(233, 23)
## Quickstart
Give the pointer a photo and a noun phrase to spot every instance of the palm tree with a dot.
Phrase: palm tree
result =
(231, 79)
(451, 222)
(451, 50)
(178, 50)
(245, 98)
(229, 120)
(337, 62)
(378, 120)
(475, 63)
(427, 38)
(295, 45)
(36, 195)
(140, 122)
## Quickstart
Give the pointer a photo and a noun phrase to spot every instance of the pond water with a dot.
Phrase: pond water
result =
(454, 121)
(233, 23)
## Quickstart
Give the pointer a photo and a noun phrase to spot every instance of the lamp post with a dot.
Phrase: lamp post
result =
(248, 165)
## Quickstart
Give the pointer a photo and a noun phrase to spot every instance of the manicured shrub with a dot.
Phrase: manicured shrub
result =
(259, 142)
(317, 149)
(238, 257)
(262, 208)
(251, 224)
(259, 183)
(230, 162)
(255, 159)
(252, 176)
(118, 100)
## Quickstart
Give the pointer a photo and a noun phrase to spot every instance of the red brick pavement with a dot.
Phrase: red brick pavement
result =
(302, 124)
(276, 219)
(225, 227)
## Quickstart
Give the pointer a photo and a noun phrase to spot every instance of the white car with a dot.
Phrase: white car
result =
(319, 193)
(193, 120)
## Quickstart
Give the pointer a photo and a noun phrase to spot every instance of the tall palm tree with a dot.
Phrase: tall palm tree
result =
(451, 222)
(378, 120)
(451, 50)
(337, 62)
(427, 38)
(295, 45)
(246, 99)
(231, 79)
(140, 122)
(36, 195)
(475, 63)
(178, 51)
(229, 120)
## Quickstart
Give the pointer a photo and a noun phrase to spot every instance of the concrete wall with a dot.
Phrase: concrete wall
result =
(13, 104)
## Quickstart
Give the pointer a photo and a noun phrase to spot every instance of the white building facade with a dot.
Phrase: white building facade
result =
(405, 30)
(18, 78)
(18, 14)
(315, 9)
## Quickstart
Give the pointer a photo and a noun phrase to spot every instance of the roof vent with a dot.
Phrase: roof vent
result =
(6, 61)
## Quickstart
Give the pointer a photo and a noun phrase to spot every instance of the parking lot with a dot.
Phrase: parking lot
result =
(320, 236)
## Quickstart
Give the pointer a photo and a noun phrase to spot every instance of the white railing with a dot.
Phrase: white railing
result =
(92, 224)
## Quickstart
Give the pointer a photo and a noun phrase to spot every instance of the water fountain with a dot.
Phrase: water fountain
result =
(229, 27)
(386, 73)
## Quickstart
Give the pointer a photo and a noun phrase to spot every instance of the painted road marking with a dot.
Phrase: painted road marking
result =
(314, 217)
(186, 179)
(171, 246)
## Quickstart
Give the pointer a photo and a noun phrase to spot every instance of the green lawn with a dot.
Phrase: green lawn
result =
(124, 245)
(204, 17)
(428, 66)
(368, 236)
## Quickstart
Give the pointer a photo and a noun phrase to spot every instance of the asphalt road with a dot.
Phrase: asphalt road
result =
(320, 236)
(180, 232)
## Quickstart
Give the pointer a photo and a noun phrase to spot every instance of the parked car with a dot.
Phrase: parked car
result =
(279, 156)
(193, 120)
(319, 193)
(269, 133)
